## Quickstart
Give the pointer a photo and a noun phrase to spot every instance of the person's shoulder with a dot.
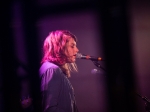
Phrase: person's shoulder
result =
(48, 65)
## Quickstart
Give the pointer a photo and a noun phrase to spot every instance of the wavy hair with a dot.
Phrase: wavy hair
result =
(54, 50)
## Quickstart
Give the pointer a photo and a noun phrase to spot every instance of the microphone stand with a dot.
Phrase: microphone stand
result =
(98, 65)
(147, 103)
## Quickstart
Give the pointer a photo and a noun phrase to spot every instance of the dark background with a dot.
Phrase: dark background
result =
(118, 31)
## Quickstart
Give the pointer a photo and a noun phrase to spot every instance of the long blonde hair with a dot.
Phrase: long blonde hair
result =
(54, 50)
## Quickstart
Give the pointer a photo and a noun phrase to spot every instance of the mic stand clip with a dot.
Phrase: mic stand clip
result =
(96, 63)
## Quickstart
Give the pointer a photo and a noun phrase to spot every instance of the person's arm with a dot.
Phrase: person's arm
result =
(51, 86)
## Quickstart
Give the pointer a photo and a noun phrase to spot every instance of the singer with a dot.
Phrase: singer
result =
(58, 61)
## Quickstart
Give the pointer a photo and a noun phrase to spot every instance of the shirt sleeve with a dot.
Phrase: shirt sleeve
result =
(51, 87)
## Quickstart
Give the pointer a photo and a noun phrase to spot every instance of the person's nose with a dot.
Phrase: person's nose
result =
(77, 50)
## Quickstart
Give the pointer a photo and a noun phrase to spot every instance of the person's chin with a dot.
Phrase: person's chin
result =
(72, 61)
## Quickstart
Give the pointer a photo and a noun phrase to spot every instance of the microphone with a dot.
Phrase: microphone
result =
(88, 57)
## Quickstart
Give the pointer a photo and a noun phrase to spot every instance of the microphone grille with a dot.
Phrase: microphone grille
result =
(78, 55)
